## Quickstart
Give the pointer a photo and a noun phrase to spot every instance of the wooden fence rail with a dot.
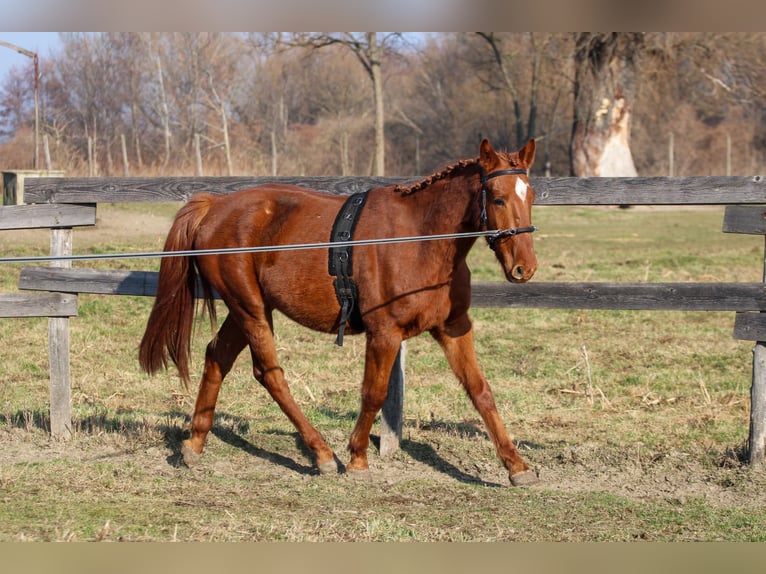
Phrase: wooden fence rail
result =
(748, 300)
(544, 295)
(723, 190)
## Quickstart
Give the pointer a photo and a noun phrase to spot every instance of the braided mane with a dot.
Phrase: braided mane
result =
(408, 188)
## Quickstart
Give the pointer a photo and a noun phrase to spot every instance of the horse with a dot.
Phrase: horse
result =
(402, 289)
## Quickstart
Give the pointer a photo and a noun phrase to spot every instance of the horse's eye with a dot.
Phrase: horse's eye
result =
(499, 201)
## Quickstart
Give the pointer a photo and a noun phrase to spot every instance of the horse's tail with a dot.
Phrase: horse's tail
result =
(169, 329)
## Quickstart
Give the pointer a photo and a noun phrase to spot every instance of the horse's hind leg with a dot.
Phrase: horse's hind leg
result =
(221, 353)
(268, 372)
(457, 344)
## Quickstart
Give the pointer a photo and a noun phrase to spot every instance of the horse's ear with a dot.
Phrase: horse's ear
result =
(527, 154)
(488, 156)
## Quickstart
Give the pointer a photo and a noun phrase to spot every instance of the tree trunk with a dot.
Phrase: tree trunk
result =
(224, 129)
(136, 137)
(164, 110)
(124, 150)
(377, 86)
(605, 85)
(509, 84)
(274, 164)
(198, 155)
(345, 164)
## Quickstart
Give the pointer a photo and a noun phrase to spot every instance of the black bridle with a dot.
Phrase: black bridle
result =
(484, 219)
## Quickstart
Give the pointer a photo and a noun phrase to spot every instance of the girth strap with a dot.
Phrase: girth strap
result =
(340, 264)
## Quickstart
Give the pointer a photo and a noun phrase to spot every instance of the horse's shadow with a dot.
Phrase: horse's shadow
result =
(425, 453)
(229, 436)
(230, 429)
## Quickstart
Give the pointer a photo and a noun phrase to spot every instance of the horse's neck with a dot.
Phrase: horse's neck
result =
(453, 205)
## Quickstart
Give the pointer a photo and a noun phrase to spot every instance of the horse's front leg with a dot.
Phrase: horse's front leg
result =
(457, 342)
(380, 356)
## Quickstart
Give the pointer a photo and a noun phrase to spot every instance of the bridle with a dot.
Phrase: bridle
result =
(484, 219)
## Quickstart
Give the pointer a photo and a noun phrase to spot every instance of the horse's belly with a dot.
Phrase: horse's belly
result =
(308, 301)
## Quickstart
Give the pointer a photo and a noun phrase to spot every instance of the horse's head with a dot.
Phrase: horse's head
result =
(507, 201)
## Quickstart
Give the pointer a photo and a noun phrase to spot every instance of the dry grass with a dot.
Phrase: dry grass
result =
(636, 420)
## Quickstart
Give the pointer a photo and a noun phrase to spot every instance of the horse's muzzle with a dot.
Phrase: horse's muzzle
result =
(521, 273)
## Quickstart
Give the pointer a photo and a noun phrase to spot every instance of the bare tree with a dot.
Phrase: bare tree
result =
(264, 105)
(220, 107)
(14, 100)
(132, 58)
(160, 105)
(504, 61)
(369, 49)
(79, 93)
(532, 70)
(440, 98)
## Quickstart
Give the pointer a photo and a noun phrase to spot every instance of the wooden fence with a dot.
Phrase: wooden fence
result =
(742, 195)
(58, 305)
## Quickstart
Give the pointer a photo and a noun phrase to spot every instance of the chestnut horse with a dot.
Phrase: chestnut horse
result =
(403, 288)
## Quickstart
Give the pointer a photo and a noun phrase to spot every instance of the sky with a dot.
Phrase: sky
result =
(40, 42)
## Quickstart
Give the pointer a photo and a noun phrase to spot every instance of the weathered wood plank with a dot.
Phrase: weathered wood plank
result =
(540, 295)
(38, 305)
(750, 326)
(46, 216)
(99, 281)
(637, 296)
(748, 219)
(159, 189)
(95, 281)
(719, 190)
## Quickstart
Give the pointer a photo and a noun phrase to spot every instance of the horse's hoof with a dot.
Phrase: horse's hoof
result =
(526, 478)
(361, 474)
(190, 457)
(328, 467)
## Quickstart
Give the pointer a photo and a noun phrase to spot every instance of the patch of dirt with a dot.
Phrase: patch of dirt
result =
(671, 477)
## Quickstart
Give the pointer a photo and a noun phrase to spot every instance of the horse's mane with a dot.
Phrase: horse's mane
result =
(407, 188)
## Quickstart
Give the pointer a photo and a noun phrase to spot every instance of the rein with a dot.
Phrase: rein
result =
(236, 250)
(484, 219)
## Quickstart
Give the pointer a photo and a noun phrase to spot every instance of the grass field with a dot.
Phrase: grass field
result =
(636, 421)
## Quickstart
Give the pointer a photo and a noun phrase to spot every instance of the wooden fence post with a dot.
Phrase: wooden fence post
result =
(58, 348)
(392, 414)
(752, 326)
(13, 183)
(757, 437)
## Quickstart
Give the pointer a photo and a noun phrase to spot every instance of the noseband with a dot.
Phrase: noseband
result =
(484, 219)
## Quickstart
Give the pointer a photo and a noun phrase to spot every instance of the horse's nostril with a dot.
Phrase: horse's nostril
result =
(518, 272)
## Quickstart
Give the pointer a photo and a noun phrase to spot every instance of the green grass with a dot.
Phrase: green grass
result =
(636, 420)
